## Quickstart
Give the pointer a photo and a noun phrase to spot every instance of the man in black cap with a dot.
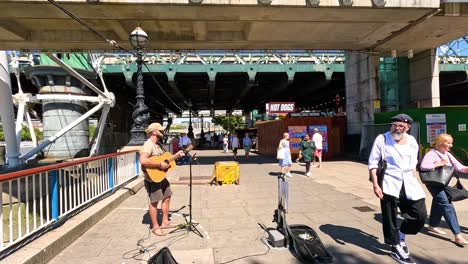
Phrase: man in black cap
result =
(399, 186)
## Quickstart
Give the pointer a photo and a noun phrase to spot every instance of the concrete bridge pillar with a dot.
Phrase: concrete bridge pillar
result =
(424, 79)
(58, 113)
(362, 90)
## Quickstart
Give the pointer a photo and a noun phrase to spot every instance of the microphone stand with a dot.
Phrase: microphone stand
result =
(189, 225)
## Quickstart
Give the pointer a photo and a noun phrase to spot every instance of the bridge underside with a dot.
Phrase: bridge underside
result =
(310, 90)
(40, 25)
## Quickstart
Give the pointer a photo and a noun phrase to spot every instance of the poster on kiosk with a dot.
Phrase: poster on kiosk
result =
(296, 134)
(322, 129)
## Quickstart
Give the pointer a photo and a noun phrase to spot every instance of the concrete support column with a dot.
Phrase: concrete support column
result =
(362, 90)
(424, 79)
(58, 113)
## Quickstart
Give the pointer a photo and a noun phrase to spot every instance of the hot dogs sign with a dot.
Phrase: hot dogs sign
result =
(280, 107)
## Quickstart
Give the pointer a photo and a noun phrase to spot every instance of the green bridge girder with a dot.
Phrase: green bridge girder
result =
(445, 67)
(328, 69)
(247, 79)
(251, 69)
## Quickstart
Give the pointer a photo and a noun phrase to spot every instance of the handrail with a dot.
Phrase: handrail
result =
(35, 199)
(22, 173)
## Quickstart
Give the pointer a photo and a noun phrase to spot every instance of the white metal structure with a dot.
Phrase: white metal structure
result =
(104, 100)
(6, 111)
(218, 58)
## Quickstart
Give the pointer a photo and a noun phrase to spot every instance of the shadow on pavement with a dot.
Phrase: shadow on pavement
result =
(349, 235)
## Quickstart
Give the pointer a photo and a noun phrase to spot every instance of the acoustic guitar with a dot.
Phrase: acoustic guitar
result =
(158, 175)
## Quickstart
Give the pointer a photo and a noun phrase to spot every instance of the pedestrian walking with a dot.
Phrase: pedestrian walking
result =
(440, 156)
(306, 152)
(399, 187)
(286, 162)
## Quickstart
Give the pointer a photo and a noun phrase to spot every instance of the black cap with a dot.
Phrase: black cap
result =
(403, 118)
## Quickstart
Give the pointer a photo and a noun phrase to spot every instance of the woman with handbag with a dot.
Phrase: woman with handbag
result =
(440, 156)
(283, 149)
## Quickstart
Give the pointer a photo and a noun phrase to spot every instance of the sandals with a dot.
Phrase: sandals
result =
(169, 225)
(159, 232)
(436, 230)
(460, 241)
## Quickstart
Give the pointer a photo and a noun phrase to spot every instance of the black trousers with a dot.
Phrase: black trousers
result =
(413, 213)
(307, 163)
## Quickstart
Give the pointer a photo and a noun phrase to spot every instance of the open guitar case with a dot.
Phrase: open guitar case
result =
(302, 240)
(164, 256)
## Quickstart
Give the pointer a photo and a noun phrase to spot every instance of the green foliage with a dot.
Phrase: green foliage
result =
(24, 134)
(92, 130)
(178, 126)
(229, 123)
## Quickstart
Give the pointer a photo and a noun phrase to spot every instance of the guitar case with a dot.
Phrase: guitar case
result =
(164, 256)
(303, 241)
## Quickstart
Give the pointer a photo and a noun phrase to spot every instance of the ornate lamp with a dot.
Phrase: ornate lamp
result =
(139, 39)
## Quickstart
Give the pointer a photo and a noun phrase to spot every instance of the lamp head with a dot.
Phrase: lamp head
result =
(138, 38)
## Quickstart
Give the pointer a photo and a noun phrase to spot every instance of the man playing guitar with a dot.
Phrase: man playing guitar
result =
(157, 191)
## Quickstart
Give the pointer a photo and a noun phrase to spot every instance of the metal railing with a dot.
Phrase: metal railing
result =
(34, 199)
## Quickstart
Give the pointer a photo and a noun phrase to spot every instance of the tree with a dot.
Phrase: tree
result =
(229, 123)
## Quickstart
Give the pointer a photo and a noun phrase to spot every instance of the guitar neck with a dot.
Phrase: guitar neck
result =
(173, 157)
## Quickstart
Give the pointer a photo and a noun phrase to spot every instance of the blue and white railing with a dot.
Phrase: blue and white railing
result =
(35, 199)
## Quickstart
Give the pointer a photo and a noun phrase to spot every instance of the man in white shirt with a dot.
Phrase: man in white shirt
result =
(317, 138)
(399, 186)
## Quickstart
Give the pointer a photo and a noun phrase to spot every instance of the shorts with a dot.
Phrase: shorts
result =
(247, 149)
(318, 153)
(158, 191)
(234, 150)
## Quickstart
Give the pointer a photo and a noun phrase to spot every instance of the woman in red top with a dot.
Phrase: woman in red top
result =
(175, 144)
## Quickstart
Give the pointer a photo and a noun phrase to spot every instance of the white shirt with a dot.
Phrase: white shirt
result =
(225, 140)
(401, 160)
(317, 139)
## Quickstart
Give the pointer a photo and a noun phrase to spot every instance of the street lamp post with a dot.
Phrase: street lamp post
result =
(190, 128)
(138, 39)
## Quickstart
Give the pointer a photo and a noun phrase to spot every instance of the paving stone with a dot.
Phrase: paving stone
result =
(228, 217)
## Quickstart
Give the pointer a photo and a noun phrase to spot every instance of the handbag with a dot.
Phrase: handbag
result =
(440, 176)
(381, 166)
(280, 153)
(457, 192)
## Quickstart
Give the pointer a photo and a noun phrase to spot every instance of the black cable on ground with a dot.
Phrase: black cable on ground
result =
(142, 250)
(248, 256)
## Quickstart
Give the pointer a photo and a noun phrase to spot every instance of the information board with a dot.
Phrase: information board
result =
(436, 124)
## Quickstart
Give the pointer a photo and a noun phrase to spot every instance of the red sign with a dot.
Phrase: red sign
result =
(280, 107)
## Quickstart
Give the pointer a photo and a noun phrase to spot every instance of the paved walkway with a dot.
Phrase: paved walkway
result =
(229, 216)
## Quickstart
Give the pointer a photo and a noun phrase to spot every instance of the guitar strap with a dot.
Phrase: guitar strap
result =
(162, 147)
